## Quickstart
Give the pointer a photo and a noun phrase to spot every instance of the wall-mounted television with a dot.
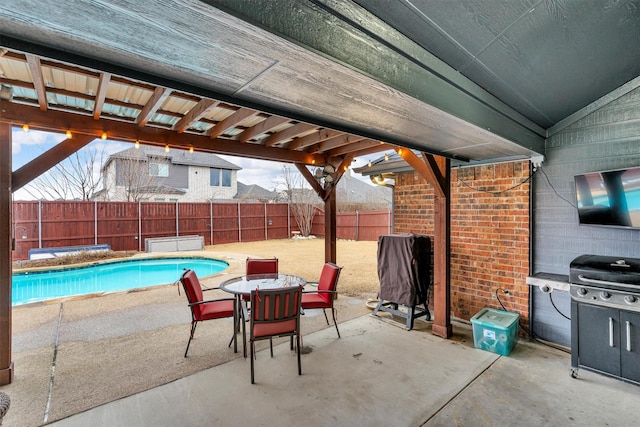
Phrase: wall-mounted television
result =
(609, 198)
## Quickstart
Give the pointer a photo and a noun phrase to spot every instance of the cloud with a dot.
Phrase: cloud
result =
(44, 140)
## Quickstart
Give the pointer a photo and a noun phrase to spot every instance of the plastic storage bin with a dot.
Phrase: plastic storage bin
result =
(495, 330)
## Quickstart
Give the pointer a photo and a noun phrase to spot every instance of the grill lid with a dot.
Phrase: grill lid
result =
(605, 271)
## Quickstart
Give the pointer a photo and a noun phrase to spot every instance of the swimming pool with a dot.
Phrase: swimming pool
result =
(37, 286)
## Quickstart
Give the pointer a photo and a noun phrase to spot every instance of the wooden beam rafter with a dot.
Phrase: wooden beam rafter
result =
(38, 81)
(58, 121)
(160, 94)
(237, 117)
(262, 127)
(314, 138)
(198, 110)
(289, 133)
(333, 143)
(355, 146)
(103, 85)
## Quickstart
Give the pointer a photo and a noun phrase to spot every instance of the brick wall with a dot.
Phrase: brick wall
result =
(489, 233)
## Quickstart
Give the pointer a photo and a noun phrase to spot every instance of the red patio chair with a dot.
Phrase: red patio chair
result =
(202, 310)
(260, 266)
(324, 295)
(275, 313)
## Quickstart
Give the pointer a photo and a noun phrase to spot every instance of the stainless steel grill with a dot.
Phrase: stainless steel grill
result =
(606, 281)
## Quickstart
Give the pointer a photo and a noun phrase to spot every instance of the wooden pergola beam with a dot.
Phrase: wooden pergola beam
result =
(57, 121)
(103, 85)
(48, 159)
(334, 143)
(314, 138)
(262, 127)
(292, 132)
(198, 110)
(38, 82)
(160, 95)
(235, 118)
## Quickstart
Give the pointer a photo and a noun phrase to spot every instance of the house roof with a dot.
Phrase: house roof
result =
(177, 157)
(254, 192)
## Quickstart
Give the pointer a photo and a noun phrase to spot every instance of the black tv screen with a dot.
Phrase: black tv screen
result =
(609, 198)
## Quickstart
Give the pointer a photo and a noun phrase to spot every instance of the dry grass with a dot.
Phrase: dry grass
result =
(303, 257)
(79, 258)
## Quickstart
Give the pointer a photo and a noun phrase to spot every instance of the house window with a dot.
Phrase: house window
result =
(158, 169)
(220, 177)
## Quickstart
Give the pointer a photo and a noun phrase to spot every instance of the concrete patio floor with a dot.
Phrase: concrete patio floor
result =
(379, 374)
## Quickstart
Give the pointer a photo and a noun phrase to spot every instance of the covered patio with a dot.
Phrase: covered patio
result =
(317, 83)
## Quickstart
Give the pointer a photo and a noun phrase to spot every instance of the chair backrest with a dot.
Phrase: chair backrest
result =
(328, 281)
(275, 311)
(192, 288)
(262, 266)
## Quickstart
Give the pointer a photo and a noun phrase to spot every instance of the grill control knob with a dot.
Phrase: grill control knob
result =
(581, 291)
(630, 299)
(605, 295)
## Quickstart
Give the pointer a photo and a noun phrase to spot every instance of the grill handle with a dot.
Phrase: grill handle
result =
(606, 282)
(610, 331)
(628, 335)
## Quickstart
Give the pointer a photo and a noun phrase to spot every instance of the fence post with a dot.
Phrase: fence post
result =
(266, 235)
(177, 222)
(95, 222)
(239, 225)
(139, 226)
(357, 225)
(39, 224)
(211, 220)
(389, 220)
(288, 220)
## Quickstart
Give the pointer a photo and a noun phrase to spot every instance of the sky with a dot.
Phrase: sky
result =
(29, 145)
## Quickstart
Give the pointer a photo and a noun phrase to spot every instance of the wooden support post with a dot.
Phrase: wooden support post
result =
(6, 364)
(436, 171)
(330, 229)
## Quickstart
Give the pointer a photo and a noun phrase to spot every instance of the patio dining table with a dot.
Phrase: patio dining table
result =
(244, 285)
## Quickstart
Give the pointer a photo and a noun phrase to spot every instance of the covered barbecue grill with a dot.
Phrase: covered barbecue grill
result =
(605, 316)
(404, 270)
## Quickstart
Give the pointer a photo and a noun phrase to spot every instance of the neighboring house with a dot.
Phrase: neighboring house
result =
(255, 193)
(151, 174)
(352, 194)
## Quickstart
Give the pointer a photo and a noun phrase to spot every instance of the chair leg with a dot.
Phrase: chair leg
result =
(333, 312)
(325, 315)
(251, 350)
(193, 330)
(299, 362)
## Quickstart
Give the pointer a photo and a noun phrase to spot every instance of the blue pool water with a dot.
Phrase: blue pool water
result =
(106, 277)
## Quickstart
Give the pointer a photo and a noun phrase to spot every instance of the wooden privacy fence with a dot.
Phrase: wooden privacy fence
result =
(125, 225)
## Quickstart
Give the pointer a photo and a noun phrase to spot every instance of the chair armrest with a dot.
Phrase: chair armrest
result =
(210, 289)
(211, 300)
(320, 292)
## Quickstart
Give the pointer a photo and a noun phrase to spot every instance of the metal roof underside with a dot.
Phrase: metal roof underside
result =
(478, 80)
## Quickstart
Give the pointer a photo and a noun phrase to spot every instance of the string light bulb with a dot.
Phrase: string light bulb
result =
(166, 148)
(25, 127)
(399, 151)
(104, 135)
(137, 144)
(386, 157)
(369, 164)
(69, 134)
(191, 149)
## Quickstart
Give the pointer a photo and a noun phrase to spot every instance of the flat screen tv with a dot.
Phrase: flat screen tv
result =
(609, 198)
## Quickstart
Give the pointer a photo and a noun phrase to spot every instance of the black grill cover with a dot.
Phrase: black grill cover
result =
(404, 268)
